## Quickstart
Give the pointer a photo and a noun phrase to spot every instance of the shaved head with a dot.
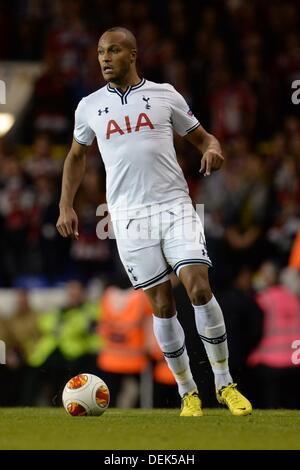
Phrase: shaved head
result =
(128, 37)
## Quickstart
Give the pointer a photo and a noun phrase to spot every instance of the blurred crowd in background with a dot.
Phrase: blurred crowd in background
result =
(234, 61)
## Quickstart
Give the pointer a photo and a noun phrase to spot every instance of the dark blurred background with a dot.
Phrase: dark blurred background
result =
(234, 61)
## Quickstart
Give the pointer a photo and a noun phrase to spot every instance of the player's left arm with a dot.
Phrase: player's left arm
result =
(210, 148)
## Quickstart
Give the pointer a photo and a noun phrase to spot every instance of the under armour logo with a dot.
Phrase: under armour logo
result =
(130, 270)
(100, 111)
(147, 105)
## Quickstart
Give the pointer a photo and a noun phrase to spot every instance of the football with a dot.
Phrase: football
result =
(85, 395)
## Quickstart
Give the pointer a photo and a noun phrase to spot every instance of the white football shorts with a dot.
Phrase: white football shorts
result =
(151, 247)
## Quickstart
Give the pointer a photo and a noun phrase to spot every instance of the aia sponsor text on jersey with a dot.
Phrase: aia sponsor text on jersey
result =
(114, 127)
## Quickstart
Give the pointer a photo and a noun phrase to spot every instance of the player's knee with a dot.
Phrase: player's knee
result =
(199, 292)
(162, 300)
(163, 306)
(164, 309)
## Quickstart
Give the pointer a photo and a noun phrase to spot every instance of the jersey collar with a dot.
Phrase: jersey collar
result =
(124, 95)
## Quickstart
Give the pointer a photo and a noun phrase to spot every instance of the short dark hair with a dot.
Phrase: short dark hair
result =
(131, 39)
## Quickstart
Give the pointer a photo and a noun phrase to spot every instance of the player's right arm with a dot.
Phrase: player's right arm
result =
(74, 168)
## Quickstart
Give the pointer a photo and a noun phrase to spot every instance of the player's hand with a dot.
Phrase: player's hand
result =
(67, 223)
(211, 161)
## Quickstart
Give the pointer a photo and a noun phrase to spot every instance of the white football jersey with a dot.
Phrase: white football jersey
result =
(134, 131)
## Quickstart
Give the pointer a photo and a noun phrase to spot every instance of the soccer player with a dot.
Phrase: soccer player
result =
(133, 121)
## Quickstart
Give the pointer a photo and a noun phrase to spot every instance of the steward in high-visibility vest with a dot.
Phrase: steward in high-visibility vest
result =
(281, 328)
(69, 330)
(123, 327)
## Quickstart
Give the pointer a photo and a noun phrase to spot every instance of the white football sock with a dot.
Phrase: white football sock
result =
(171, 340)
(211, 329)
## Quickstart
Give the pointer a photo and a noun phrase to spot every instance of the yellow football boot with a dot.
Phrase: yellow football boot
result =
(236, 402)
(191, 404)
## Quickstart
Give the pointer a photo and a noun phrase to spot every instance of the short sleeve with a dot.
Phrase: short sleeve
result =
(83, 134)
(183, 120)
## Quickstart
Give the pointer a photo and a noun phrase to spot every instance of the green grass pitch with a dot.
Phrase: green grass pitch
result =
(52, 428)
